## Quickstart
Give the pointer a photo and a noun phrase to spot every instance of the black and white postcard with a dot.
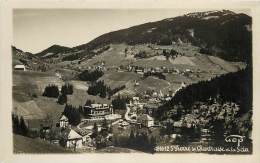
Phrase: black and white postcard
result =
(125, 80)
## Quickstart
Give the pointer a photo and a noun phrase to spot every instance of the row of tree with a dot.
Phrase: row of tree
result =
(90, 75)
(53, 91)
(156, 74)
(141, 141)
(136, 140)
(99, 88)
(170, 54)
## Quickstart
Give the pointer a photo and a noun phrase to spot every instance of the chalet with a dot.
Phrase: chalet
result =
(20, 67)
(158, 69)
(139, 71)
(58, 75)
(149, 107)
(178, 124)
(63, 122)
(129, 68)
(145, 120)
(135, 100)
(98, 111)
(155, 94)
(71, 139)
(136, 83)
(86, 136)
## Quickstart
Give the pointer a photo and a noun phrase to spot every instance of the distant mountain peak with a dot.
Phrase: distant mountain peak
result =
(54, 49)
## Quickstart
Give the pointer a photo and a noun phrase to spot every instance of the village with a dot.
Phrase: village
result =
(138, 116)
(80, 137)
(102, 118)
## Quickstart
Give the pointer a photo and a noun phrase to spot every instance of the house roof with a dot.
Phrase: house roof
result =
(70, 134)
(145, 117)
(64, 118)
(178, 124)
(83, 132)
(19, 66)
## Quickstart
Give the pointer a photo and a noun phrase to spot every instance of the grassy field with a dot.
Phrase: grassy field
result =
(117, 79)
(29, 84)
(23, 144)
(25, 84)
(114, 56)
(80, 97)
(153, 83)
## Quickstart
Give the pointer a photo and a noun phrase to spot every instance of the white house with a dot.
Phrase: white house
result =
(20, 67)
(135, 100)
(145, 120)
(64, 121)
(71, 139)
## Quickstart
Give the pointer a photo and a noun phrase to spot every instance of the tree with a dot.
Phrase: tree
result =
(120, 103)
(105, 127)
(73, 114)
(90, 76)
(89, 102)
(217, 130)
(141, 54)
(95, 130)
(152, 144)
(67, 89)
(15, 123)
(98, 88)
(51, 91)
(132, 139)
(23, 127)
(62, 99)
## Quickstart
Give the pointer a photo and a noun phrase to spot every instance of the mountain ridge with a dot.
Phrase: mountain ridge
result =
(223, 33)
(226, 35)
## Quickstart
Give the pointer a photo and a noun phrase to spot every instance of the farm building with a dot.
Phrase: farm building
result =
(20, 67)
(145, 120)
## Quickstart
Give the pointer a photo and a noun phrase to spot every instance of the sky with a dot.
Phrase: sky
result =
(37, 29)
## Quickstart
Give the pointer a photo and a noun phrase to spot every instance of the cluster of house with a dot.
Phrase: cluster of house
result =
(143, 70)
(135, 113)
(159, 96)
(76, 137)
(65, 135)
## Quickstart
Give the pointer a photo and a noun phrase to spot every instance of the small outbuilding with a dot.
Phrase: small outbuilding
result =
(20, 67)
(145, 120)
